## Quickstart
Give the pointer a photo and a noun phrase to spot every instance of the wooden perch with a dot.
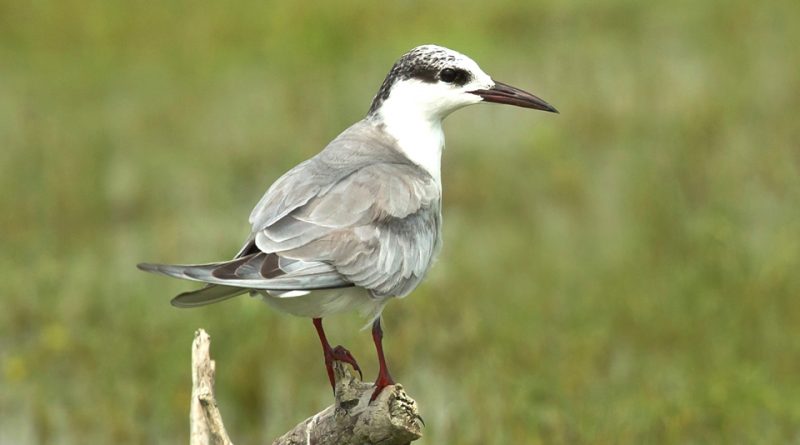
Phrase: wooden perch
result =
(205, 421)
(392, 419)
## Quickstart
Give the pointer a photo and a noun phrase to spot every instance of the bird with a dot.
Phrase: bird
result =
(359, 223)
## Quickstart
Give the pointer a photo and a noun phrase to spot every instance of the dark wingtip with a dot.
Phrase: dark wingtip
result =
(147, 267)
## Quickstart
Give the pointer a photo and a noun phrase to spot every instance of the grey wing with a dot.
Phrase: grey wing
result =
(377, 227)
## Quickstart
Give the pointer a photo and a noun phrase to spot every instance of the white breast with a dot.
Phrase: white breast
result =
(418, 130)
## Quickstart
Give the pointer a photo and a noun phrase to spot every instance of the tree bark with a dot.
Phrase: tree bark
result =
(392, 419)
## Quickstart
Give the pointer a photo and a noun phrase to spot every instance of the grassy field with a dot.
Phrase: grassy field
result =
(626, 272)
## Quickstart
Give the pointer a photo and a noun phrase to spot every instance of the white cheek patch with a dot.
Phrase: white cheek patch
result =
(480, 80)
(480, 84)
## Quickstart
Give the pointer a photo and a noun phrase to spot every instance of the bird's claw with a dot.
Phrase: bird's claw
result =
(384, 380)
(341, 354)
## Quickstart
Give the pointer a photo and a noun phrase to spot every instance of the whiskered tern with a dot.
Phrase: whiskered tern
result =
(360, 222)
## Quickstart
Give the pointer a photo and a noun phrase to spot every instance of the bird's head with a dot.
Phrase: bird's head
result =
(433, 81)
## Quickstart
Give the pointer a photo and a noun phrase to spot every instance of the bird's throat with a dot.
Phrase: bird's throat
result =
(420, 138)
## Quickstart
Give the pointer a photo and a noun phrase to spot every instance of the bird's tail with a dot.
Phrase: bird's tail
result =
(256, 271)
(251, 273)
(212, 293)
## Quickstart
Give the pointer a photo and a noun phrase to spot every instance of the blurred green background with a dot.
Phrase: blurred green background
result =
(625, 272)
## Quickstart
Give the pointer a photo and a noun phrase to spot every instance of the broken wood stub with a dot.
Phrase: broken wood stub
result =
(392, 419)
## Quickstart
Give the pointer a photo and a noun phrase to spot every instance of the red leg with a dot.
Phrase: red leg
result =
(338, 353)
(384, 378)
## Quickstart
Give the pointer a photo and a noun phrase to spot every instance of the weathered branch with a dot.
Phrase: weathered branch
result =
(205, 421)
(392, 419)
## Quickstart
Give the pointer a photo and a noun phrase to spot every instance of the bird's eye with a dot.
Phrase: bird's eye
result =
(448, 75)
(456, 76)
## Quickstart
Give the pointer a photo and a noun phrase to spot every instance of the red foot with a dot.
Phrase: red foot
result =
(338, 353)
(384, 380)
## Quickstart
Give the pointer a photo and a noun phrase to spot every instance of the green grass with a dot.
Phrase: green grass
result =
(625, 272)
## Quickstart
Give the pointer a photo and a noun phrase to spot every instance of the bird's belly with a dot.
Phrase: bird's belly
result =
(322, 303)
